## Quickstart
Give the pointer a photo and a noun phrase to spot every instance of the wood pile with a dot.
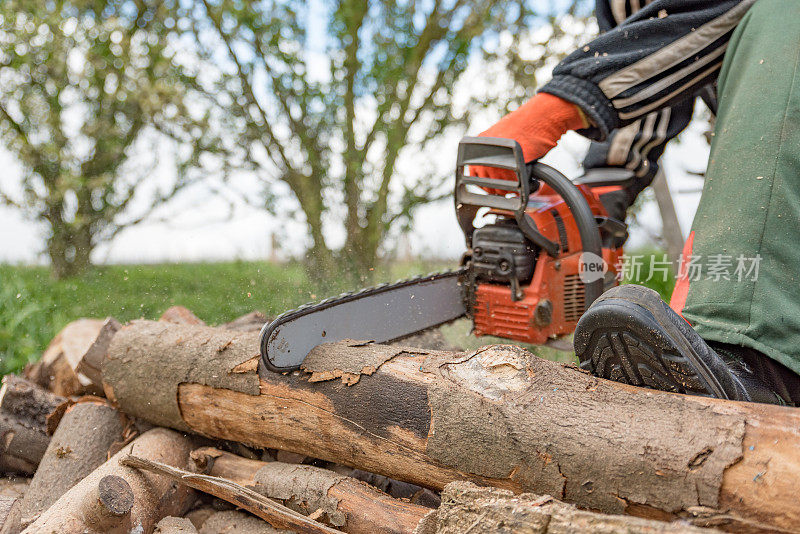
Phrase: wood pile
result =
(166, 426)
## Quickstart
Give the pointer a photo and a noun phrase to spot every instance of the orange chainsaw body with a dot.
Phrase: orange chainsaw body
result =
(551, 303)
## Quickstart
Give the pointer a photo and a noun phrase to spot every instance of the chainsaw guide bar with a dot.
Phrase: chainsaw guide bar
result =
(382, 313)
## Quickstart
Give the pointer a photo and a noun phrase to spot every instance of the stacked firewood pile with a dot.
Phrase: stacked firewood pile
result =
(166, 426)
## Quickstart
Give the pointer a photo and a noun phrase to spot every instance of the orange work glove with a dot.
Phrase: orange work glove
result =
(537, 126)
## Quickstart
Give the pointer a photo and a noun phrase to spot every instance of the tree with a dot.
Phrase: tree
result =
(324, 96)
(81, 82)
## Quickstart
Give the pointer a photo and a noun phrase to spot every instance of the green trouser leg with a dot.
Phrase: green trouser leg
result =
(749, 214)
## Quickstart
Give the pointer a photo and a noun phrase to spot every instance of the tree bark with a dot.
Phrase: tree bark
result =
(80, 444)
(466, 507)
(69, 254)
(24, 408)
(497, 417)
(346, 503)
(97, 504)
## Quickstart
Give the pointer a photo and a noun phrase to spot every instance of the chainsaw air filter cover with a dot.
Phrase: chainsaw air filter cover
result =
(501, 252)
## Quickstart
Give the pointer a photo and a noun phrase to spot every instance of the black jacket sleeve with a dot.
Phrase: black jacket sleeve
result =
(660, 55)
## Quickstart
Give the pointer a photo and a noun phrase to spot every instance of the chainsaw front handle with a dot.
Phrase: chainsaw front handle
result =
(507, 154)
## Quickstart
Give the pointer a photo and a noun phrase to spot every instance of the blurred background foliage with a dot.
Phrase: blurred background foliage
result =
(81, 85)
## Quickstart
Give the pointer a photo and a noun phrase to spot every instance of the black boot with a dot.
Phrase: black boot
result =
(630, 335)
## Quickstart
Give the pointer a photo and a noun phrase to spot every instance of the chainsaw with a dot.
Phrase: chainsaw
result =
(540, 250)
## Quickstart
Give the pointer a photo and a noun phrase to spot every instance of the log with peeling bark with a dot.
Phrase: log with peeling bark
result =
(479, 510)
(24, 409)
(80, 444)
(497, 417)
(346, 503)
(71, 364)
(114, 498)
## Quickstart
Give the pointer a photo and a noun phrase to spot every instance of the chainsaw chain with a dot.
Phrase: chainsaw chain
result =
(310, 307)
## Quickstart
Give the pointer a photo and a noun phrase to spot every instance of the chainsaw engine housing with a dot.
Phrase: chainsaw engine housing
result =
(552, 296)
(528, 279)
(501, 253)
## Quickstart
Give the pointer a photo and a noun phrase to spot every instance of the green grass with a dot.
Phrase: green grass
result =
(34, 307)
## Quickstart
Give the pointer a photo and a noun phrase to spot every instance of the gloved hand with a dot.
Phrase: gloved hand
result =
(537, 126)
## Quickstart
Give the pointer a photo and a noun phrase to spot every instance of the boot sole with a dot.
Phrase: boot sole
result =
(633, 340)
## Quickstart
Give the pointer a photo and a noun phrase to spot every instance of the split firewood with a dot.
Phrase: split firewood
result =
(71, 364)
(80, 444)
(252, 322)
(341, 501)
(236, 522)
(469, 508)
(24, 409)
(270, 511)
(115, 498)
(497, 417)
(181, 315)
(175, 525)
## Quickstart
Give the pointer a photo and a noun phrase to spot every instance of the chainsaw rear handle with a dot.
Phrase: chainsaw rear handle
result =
(507, 154)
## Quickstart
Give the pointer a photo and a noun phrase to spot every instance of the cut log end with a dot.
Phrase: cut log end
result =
(116, 495)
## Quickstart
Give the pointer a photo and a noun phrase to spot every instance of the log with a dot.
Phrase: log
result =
(497, 416)
(114, 498)
(80, 444)
(24, 409)
(469, 508)
(348, 504)
(235, 522)
(72, 363)
(275, 514)
(175, 525)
